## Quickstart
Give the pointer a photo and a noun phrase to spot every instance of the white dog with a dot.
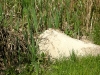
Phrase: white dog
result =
(57, 44)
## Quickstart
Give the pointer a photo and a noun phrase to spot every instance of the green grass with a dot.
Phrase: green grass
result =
(83, 66)
(33, 17)
(71, 66)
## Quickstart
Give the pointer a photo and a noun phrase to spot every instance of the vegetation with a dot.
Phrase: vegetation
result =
(21, 21)
(75, 66)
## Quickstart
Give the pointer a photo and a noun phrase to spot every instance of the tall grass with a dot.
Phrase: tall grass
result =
(32, 17)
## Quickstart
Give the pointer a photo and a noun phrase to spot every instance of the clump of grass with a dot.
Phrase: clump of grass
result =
(96, 34)
(72, 65)
(82, 66)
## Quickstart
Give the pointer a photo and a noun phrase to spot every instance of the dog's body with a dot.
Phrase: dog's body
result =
(57, 44)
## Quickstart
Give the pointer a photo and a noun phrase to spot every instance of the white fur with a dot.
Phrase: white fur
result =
(57, 44)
